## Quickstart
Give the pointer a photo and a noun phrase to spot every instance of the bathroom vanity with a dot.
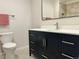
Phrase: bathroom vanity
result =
(54, 44)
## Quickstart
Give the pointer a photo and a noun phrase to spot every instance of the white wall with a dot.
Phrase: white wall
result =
(21, 23)
(36, 13)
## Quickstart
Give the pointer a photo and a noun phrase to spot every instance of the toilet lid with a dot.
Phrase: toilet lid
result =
(9, 45)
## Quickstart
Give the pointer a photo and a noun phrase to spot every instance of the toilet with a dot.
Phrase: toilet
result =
(8, 46)
(9, 49)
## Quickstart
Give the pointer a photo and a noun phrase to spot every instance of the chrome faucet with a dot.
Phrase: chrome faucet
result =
(57, 25)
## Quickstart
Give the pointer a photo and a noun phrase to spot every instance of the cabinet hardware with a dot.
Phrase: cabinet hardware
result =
(44, 42)
(68, 43)
(44, 56)
(32, 35)
(32, 42)
(67, 56)
(32, 49)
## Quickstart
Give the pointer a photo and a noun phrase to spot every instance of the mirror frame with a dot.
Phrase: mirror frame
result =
(42, 13)
(44, 19)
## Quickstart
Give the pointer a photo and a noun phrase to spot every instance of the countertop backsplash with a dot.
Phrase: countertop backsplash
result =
(66, 26)
(76, 27)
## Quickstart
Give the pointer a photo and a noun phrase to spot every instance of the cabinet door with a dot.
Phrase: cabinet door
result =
(53, 46)
(37, 42)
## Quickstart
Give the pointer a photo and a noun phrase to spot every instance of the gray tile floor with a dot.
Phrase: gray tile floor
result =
(23, 54)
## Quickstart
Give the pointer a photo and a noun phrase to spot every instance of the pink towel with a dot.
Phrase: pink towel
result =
(4, 19)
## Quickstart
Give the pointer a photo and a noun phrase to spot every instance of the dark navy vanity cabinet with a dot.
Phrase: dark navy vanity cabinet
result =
(51, 45)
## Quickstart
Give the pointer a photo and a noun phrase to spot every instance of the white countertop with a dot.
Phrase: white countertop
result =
(65, 31)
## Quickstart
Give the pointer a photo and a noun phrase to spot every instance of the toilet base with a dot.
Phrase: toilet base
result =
(9, 49)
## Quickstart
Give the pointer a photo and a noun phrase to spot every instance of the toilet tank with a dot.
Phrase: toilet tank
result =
(6, 37)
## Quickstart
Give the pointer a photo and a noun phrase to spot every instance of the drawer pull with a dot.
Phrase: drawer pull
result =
(32, 49)
(32, 35)
(44, 42)
(68, 43)
(44, 56)
(32, 42)
(67, 56)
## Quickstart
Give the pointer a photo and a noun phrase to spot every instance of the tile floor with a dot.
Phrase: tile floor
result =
(22, 54)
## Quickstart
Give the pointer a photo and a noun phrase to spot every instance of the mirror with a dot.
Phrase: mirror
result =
(55, 9)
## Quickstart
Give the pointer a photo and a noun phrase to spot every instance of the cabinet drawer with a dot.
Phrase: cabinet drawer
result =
(35, 43)
(39, 55)
(70, 49)
(37, 38)
(36, 33)
(42, 57)
(39, 49)
(71, 38)
(65, 56)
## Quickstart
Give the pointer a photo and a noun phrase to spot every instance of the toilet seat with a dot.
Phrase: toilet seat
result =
(9, 45)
